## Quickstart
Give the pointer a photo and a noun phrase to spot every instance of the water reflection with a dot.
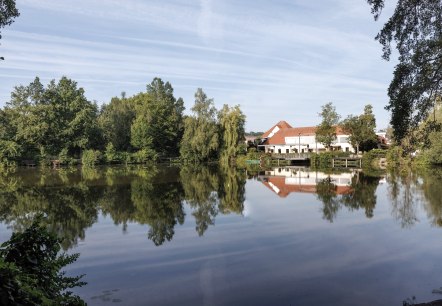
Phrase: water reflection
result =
(353, 190)
(156, 197)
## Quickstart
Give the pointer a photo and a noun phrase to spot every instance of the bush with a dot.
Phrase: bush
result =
(395, 156)
(144, 156)
(434, 153)
(369, 157)
(30, 270)
(63, 156)
(111, 155)
(90, 157)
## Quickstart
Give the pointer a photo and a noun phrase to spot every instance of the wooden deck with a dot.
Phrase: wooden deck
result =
(347, 162)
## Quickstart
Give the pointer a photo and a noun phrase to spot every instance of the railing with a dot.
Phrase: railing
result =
(291, 155)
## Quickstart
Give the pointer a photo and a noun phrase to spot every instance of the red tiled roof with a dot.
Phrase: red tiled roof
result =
(279, 137)
(281, 124)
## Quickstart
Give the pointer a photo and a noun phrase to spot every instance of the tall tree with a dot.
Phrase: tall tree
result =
(231, 120)
(115, 120)
(416, 29)
(326, 130)
(361, 128)
(8, 12)
(200, 141)
(159, 119)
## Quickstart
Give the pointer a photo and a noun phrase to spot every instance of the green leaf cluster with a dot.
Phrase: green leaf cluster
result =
(30, 267)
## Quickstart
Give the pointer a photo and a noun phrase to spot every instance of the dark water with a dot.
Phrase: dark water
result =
(218, 236)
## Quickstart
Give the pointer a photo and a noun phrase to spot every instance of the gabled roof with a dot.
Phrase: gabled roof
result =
(285, 130)
(281, 126)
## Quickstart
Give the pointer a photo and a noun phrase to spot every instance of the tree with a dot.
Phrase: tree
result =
(8, 12)
(158, 125)
(200, 141)
(415, 27)
(53, 118)
(326, 130)
(361, 128)
(116, 120)
(231, 120)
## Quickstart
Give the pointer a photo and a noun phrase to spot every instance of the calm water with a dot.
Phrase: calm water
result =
(209, 236)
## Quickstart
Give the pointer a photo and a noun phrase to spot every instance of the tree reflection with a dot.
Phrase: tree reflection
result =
(326, 192)
(158, 204)
(231, 190)
(200, 184)
(432, 191)
(362, 193)
(403, 194)
(359, 194)
(69, 209)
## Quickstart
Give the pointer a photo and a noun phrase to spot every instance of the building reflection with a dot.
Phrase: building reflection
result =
(283, 181)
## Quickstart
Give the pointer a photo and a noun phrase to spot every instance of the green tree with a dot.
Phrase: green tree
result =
(232, 121)
(8, 12)
(56, 117)
(326, 130)
(361, 128)
(200, 141)
(415, 29)
(115, 121)
(159, 119)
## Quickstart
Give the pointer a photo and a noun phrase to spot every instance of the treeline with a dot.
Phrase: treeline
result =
(58, 122)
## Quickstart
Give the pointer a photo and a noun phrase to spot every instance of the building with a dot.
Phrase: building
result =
(283, 138)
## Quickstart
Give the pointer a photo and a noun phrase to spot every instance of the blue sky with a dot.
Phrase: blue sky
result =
(280, 60)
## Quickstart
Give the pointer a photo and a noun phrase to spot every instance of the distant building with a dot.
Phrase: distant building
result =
(283, 138)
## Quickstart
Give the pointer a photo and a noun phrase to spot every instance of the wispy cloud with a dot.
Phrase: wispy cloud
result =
(270, 58)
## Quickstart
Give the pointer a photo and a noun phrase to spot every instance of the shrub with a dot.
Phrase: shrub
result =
(30, 270)
(144, 156)
(90, 157)
(369, 157)
(111, 155)
(63, 156)
(434, 153)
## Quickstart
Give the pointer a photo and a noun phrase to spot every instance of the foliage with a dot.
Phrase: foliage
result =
(415, 28)
(324, 159)
(145, 155)
(369, 157)
(231, 121)
(56, 117)
(90, 157)
(30, 270)
(434, 153)
(158, 125)
(115, 120)
(8, 12)
(201, 139)
(360, 128)
(395, 156)
(326, 130)
(110, 154)
(9, 151)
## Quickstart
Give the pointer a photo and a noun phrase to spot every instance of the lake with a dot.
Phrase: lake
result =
(220, 236)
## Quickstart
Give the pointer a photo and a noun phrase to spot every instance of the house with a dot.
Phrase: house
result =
(283, 138)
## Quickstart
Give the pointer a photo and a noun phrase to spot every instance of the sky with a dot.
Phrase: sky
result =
(279, 60)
